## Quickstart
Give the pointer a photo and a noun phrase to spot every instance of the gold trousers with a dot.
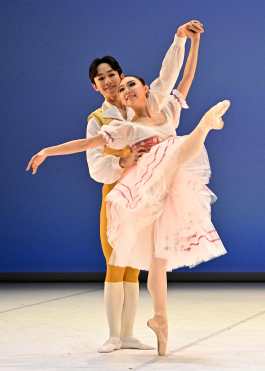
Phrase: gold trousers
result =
(113, 273)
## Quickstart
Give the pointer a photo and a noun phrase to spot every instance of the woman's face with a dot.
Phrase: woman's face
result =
(132, 92)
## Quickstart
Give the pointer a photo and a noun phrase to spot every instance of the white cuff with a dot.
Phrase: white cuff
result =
(180, 40)
(179, 97)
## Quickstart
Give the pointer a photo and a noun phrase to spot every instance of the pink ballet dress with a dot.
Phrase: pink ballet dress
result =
(158, 207)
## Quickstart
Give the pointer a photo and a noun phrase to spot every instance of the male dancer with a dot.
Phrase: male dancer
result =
(121, 288)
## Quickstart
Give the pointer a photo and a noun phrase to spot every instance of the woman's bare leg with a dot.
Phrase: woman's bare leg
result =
(157, 287)
(157, 276)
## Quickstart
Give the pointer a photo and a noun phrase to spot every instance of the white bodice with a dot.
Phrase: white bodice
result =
(119, 134)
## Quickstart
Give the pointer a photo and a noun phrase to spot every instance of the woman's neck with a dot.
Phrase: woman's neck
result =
(141, 113)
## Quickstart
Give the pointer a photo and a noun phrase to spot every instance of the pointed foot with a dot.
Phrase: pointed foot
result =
(160, 329)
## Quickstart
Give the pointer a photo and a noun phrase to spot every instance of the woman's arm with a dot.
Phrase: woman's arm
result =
(191, 64)
(162, 86)
(74, 146)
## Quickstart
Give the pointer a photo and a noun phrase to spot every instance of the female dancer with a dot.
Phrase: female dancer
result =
(164, 197)
(121, 286)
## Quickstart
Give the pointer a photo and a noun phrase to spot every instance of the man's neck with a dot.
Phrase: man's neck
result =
(117, 103)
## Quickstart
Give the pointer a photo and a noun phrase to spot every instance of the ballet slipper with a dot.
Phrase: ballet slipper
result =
(212, 118)
(112, 344)
(131, 342)
(160, 328)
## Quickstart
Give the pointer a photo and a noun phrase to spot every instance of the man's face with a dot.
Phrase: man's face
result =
(107, 81)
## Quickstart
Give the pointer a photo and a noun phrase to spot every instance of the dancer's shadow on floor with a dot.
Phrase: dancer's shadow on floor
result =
(147, 360)
(120, 360)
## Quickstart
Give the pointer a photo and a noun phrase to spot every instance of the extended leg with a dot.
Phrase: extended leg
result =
(193, 143)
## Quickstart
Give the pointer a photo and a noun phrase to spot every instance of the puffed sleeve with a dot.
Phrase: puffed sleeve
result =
(119, 134)
(102, 168)
(175, 103)
(180, 98)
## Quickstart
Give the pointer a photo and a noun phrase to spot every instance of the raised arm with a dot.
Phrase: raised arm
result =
(161, 87)
(191, 64)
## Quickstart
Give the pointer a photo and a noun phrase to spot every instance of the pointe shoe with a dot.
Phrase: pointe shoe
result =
(160, 329)
(213, 118)
(131, 342)
(112, 344)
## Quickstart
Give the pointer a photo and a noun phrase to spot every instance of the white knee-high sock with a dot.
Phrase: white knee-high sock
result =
(113, 299)
(131, 299)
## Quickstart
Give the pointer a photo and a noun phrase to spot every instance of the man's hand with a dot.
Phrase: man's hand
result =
(190, 29)
(36, 161)
(132, 158)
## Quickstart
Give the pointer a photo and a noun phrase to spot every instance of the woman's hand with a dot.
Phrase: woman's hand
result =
(190, 29)
(191, 63)
(36, 161)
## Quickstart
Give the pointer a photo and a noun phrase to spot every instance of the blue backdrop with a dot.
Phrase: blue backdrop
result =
(49, 222)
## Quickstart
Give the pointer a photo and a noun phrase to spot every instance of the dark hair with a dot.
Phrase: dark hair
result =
(93, 68)
(138, 78)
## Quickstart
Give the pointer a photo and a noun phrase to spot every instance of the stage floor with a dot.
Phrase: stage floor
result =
(58, 326)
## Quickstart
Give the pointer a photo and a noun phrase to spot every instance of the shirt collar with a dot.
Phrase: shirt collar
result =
(111, 111)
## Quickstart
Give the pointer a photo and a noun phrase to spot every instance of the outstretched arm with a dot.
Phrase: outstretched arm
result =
(191, 64)
(116, 135)
(74, 146)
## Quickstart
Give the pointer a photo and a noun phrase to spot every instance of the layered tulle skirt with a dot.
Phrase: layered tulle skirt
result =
(162, 207)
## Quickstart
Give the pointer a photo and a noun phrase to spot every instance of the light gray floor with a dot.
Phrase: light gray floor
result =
(59, 326)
